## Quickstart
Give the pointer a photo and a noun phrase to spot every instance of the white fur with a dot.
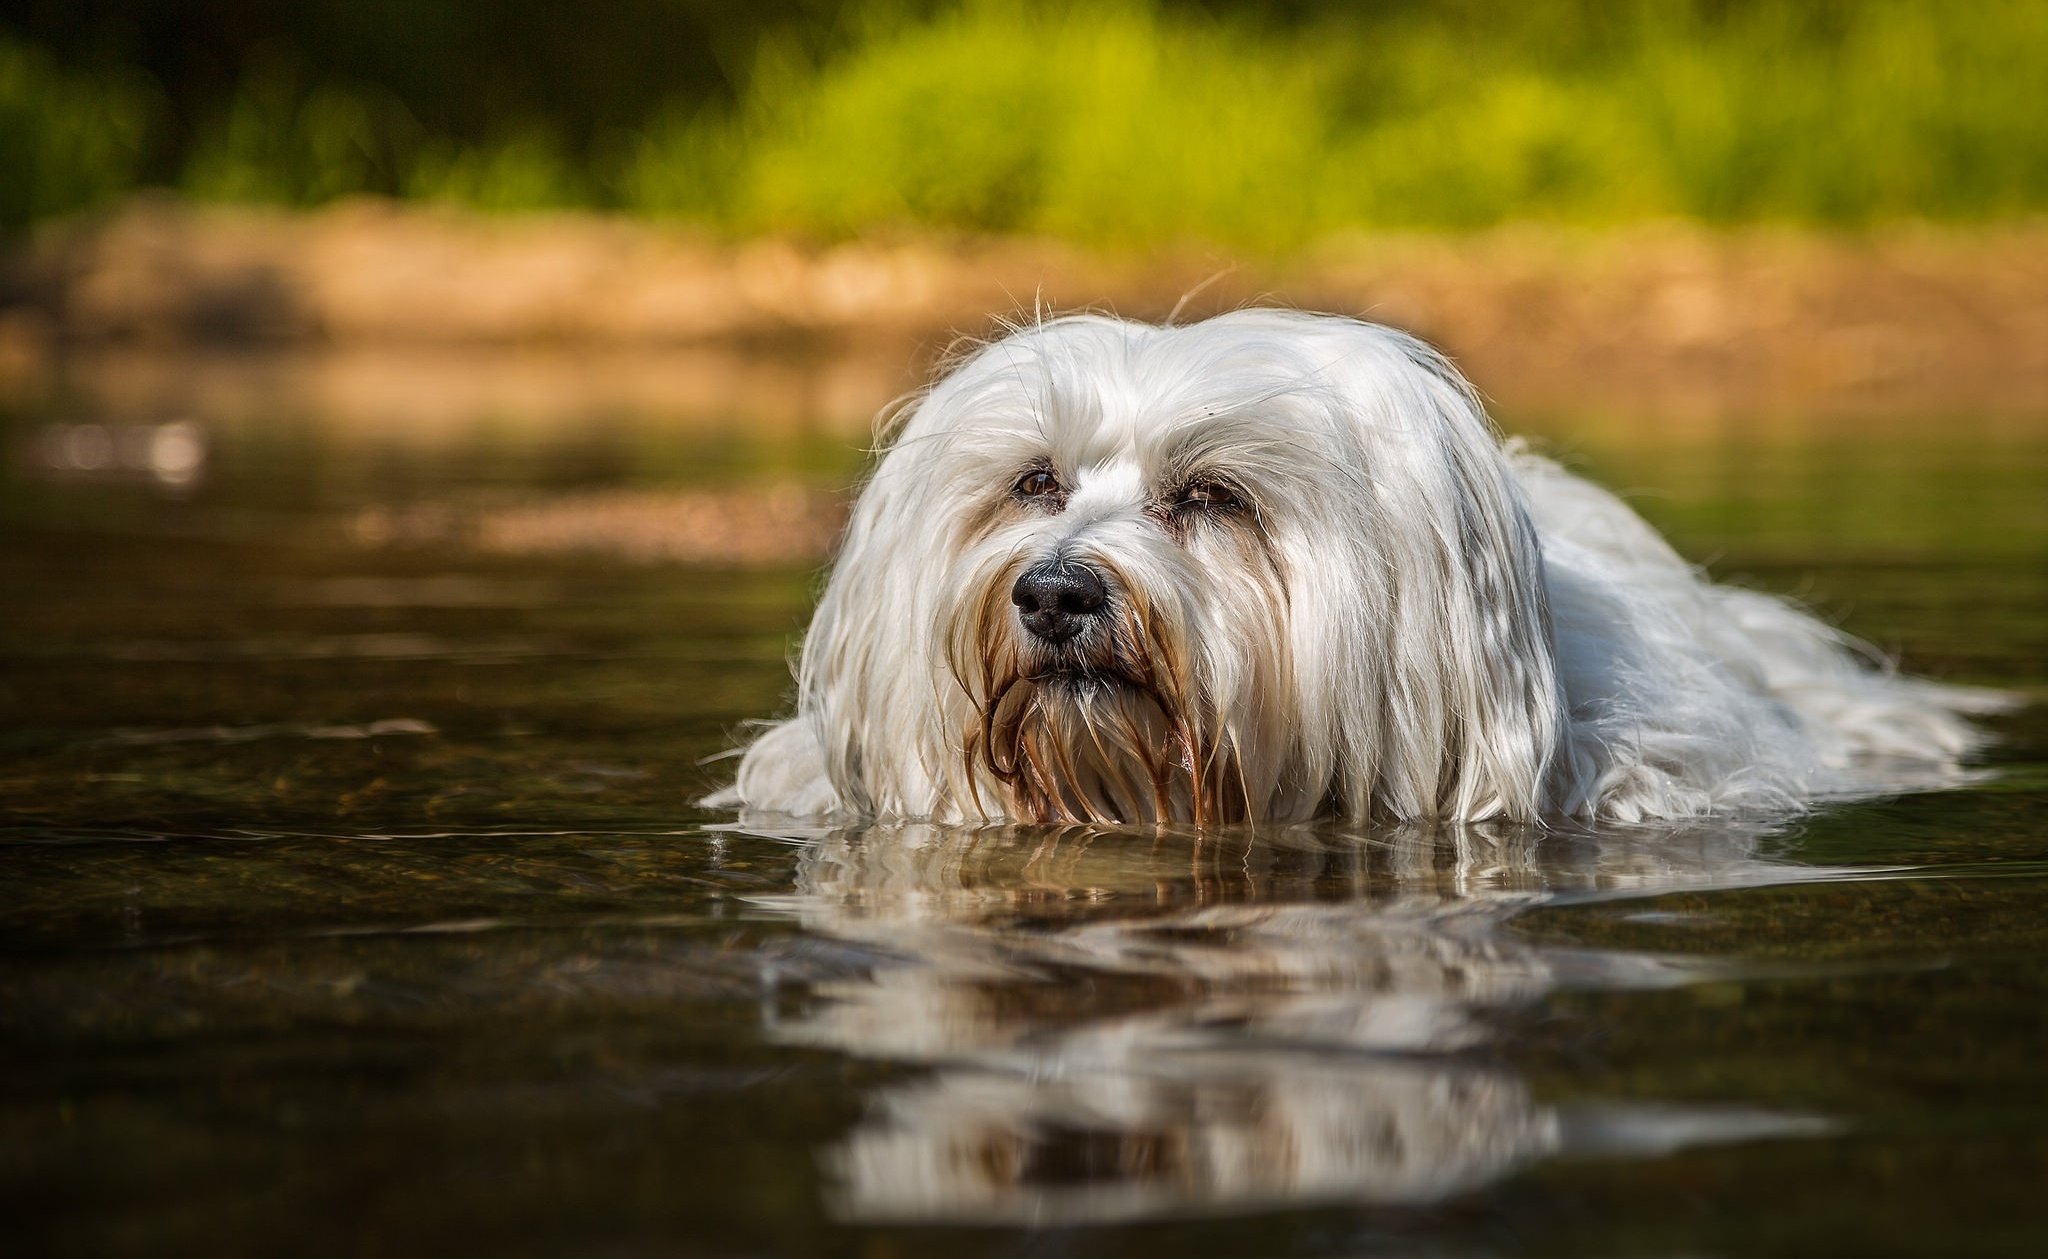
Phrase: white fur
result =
(1404, 619)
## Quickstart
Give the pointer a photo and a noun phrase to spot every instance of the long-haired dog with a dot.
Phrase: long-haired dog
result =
(1280, 566)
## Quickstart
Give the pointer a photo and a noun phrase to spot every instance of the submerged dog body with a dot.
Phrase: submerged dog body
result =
(1279, 566)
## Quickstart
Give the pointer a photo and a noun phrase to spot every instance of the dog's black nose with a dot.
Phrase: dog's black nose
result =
(1056, 600)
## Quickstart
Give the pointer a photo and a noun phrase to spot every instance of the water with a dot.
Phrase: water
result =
(356, 902)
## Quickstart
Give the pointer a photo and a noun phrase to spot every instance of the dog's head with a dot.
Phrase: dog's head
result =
(1269, 565)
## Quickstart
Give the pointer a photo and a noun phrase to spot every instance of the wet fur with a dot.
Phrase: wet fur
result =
(1404, 619)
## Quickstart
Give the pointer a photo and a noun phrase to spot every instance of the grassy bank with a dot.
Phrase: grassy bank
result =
(1126, 124)
(1133, 122)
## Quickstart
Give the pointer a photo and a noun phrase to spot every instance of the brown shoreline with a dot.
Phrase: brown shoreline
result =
(1663, 320)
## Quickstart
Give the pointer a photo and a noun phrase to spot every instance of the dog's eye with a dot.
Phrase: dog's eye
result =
(1209, 496)
(1037, 483)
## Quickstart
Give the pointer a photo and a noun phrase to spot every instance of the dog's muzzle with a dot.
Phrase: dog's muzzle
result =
(1059, 599)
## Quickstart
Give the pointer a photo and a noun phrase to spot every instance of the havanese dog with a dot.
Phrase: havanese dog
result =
(1279, 566)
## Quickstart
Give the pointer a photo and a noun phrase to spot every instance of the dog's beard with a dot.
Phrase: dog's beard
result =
(1106, 727)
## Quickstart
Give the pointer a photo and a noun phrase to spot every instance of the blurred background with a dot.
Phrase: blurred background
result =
(1254, 126)
(1730, 176)
(1675, 204)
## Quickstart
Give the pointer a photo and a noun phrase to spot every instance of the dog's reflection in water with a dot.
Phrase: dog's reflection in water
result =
(1122, 1025)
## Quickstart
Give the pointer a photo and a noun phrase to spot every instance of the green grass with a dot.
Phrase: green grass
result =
(68, 139)
(282, 141)
(1126, 123)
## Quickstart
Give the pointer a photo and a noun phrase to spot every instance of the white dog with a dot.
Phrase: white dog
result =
(1279, 566)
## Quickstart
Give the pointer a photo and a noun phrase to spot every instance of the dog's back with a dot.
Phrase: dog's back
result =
(1688, 697)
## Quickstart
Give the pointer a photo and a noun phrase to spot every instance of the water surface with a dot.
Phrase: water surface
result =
(356, 902)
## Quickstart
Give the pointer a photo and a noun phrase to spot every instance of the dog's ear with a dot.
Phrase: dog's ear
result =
(851, 653)
(865, 682)
(820, 761)
(1471, 718)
